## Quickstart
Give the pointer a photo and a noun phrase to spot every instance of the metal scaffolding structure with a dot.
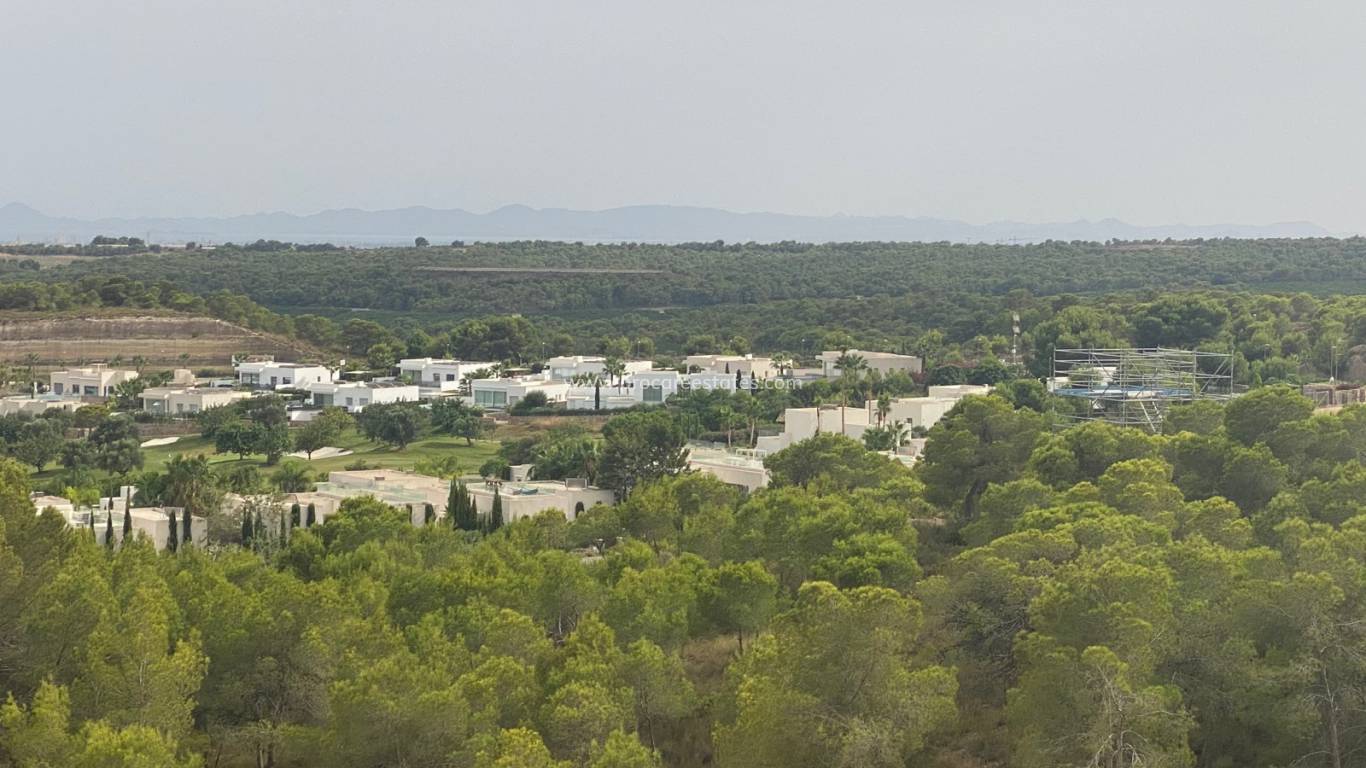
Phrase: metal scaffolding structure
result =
(1135, 387)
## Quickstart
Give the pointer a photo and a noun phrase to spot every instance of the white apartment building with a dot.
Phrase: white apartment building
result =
(183, 401)
(505, 393)
(434, 373)
(749, 365)
(269, 374)
(882, 362)
(90, 381)
(354, 396)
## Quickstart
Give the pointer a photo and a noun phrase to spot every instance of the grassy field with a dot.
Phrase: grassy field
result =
(471, 457)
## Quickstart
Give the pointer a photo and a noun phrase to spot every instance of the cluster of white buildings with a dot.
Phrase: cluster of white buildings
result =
(577, 382)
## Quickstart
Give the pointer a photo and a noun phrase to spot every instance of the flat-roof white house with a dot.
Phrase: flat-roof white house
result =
(741, 468)
(405, 490)
(759, 367)
(413, 492)
(532, 497)
(434, 373)
(607, 398)
(354, 396)
(37, 405)
(882, 362)
(152, 522)
(925, 412)
(567, 367)
(505, 393)
(90, 381)
(269, 374)
(957, 391)
(183, 401)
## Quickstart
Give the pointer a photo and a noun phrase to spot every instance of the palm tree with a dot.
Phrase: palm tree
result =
(615, 370)
(901, 433)
(31, 362)
(851, 365)
(189, 484)
(292, 477)
(784, 362)
(884, 409)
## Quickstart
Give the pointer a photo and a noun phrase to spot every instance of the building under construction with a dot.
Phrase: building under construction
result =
(1135, 387)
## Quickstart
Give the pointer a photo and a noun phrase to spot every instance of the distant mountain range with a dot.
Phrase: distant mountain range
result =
(638, 223)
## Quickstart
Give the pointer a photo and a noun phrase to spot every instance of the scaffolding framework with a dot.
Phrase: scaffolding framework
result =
(1135, 387)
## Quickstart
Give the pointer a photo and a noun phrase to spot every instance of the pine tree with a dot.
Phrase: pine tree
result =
(172, 541)
(496, 516)
(109, 530)
(312, 515)
(186, 535)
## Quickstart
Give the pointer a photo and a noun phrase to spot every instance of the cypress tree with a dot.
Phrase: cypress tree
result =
(312, 515)
(428, 514)
(127, 517)
(467, 513)
(258, 529)
(172, 541)
(284, 528)
(496, 516)
(186, 535)
(455, 506)
(597, 396)
(294, 511)
(109, 530)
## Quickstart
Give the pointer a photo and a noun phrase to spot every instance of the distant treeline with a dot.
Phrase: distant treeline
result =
(695, 275)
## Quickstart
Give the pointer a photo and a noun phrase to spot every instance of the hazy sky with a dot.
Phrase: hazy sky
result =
(1149, 111)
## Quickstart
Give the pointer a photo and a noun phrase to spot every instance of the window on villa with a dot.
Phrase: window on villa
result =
(650, 394)
(490, 398)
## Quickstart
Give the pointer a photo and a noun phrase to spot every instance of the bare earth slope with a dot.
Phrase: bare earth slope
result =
(160, 338)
